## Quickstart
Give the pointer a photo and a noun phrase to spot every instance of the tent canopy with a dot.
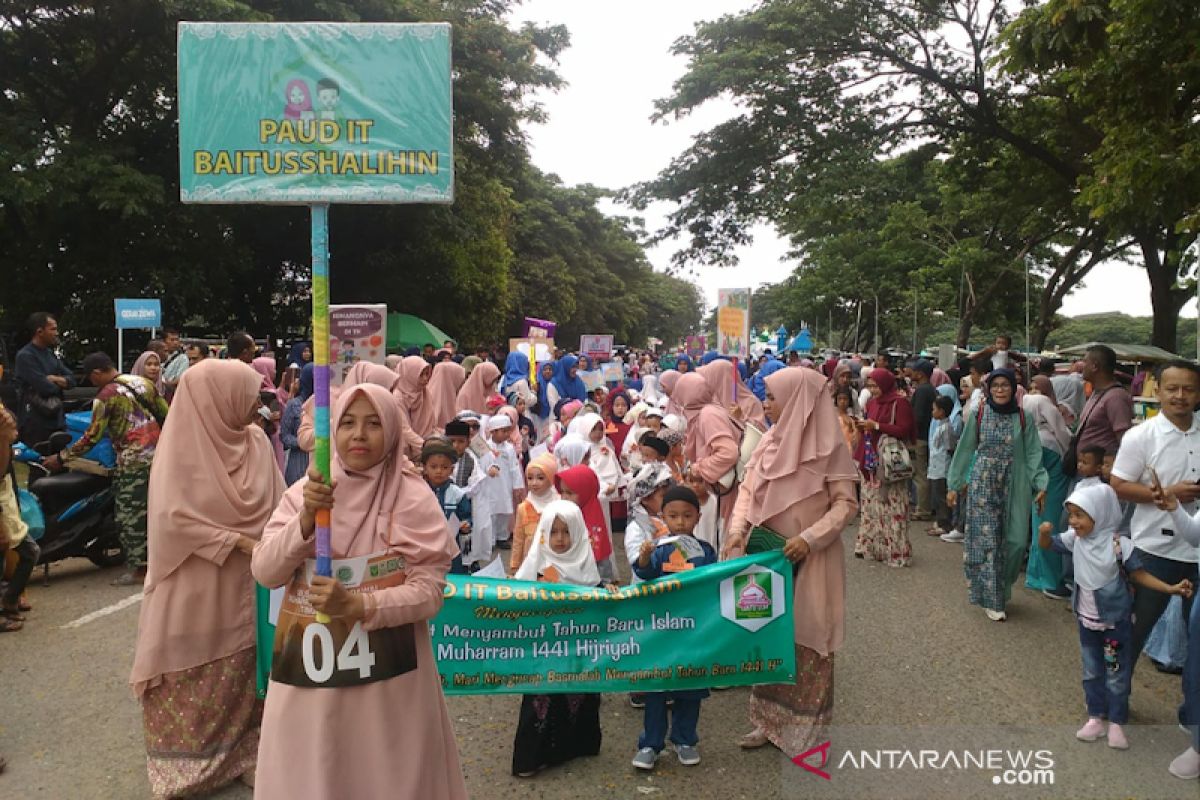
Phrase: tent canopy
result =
(1125, 352)
(405, 331)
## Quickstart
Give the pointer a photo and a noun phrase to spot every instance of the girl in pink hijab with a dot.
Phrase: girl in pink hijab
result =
(265, 366)
(713, 440)
(666, 384)
(212, 489)
(389, 535)
(415, 373)
(720, 376)
(444, 382)
(800, 484)
(299, 100)
(480, 385)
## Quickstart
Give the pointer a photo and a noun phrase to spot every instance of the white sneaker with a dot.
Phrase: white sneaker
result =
(954, 537)
(1186, 765)
(995, 616)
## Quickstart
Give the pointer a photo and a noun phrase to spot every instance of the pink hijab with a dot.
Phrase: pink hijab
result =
(139, 368)
(364, 372)
(442, 391)
(265, 366)
(413, 397)
(803, 451)
(480, 384)
(719, 375)
(214, 475)
(666, 382)
(939, 378)
(705, 419)
(515, 419)
(392, 489)
(295, 110)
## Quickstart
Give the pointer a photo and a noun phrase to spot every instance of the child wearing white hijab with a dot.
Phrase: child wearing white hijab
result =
(555, 728)
(1104, 562)
(603, 459)
(493, 501)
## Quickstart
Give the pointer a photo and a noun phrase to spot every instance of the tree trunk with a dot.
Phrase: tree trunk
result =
(966, 314)
(1162, 268)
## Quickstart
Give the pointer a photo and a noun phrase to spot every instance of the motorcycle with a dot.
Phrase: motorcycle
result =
(78, 508)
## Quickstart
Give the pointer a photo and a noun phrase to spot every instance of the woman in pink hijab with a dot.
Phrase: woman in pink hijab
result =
(415, 373)
(444, 382)
(480, 385)
(212, 489)
(374, 731)
(720, 376)
(713, 440)
(800, 485)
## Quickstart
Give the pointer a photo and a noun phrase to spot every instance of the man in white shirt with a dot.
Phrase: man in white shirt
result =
(1170, 445)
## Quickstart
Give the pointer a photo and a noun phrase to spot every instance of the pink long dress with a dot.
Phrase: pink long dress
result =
(391, 738)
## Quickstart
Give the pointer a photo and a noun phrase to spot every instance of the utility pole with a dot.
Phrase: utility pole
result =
(914, 347)
(1028, 349)
(877, 343)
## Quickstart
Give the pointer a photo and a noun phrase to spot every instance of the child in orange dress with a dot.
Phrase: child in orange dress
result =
(539, 480)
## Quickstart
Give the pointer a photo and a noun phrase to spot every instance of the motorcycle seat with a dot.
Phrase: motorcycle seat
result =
(54, 491)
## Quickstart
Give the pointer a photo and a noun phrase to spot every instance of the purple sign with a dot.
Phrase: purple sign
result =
(538, 329)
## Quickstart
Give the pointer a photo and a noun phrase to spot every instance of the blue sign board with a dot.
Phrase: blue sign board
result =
(138, 313)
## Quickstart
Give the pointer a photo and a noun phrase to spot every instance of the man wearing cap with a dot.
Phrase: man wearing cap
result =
(130, 412)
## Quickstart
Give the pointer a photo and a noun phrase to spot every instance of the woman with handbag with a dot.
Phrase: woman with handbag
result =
(882, 457)
(1000, 455)
(799, 494)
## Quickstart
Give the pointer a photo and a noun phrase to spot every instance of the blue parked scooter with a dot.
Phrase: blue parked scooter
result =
(77, 507)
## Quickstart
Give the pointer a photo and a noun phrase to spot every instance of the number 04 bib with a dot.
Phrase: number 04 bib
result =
(335, 654)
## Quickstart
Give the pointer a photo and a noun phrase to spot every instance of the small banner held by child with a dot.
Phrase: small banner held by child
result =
(729, 624)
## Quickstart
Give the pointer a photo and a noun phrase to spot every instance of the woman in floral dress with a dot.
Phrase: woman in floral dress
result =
(1000, 456)
(883, 527)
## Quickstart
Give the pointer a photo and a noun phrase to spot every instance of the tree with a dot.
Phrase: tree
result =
(823, 87)
(1132, 70)
(89, 205)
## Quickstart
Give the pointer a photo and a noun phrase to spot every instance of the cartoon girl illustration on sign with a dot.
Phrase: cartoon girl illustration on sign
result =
(299, 101)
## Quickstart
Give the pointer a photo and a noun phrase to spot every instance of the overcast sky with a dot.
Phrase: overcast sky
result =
(599, 130)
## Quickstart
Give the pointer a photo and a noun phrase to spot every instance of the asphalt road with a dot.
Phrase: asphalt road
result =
(921, 671)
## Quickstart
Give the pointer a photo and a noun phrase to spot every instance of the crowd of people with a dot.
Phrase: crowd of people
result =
(456, 464)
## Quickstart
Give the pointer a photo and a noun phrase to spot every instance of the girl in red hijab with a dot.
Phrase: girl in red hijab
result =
(581, 486)
(883, 529)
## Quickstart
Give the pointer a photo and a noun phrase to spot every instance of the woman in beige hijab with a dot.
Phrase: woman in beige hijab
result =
(212, 490)
(800, 485)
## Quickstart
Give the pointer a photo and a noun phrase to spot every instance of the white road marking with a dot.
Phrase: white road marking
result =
(132, 600)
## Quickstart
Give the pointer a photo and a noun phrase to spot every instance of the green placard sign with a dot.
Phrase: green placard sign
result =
(728, 624)
(315, 113)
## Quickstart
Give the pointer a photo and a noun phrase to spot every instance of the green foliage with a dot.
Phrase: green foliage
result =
(1061, 138)
(89, 190)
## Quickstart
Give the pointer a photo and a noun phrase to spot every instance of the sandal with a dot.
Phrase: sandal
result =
(8, 625)
(23, 604)
(753, 740)
(12, 614)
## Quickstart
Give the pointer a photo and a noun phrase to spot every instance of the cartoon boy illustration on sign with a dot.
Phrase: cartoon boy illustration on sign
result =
(299, 101)
(329, 96)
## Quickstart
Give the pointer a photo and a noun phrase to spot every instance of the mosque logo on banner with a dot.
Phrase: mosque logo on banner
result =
(753, 598)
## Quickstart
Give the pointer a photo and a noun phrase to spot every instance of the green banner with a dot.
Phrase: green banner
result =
(729, 624)
(315, 112)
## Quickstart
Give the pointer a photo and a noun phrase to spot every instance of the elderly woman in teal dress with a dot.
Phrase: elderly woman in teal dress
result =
(1000, 457)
